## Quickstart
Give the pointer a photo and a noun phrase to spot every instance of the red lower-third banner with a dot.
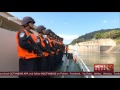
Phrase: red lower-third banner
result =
(56, 73)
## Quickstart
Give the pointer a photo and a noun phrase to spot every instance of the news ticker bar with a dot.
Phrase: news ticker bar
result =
(56, 73)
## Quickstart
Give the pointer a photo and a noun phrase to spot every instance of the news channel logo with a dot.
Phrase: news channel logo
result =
(103, 67)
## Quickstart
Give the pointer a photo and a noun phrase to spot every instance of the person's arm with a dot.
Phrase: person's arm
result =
(23, 42)
(40, 46)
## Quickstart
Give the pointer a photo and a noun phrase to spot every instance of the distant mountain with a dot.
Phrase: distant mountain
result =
(92, 35)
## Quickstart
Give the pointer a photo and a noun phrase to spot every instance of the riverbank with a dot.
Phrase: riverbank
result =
(114, 49)
(101, 46)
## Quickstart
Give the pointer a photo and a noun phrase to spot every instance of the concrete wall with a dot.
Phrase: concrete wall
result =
(7, 15)
(104, 48)
(8, 51)
(95, 45)
(89, 48)
(104, 42)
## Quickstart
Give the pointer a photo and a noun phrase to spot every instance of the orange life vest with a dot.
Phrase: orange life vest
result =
(52, 46)
(50, 41)
(43, 44)
(58, 44)
(23, 53)
(66, 48)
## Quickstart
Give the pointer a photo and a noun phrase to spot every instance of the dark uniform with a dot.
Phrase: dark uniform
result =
(26, 51)
(42, 62)
(52, 50)
(62, 48)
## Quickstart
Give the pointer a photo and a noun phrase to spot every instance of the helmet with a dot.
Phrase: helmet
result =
(62, 39)
(56, 36)
(40, 28)
(53, 33)
(48, 31)
(27, 20)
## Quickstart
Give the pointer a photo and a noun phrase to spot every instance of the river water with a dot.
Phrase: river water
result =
(91, 58)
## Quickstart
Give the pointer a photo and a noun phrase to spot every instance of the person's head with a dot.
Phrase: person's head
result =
(62, 39)
(40, 30)
(28, 23)
(48, 32)
(53, 34)
(56, 38)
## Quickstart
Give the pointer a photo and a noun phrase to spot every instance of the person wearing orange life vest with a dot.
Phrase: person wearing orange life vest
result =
(66, 50)
(55, 44)
(26, 51)
(58, 51)
(55, 49)
(42, 64)
(61, 49)
(52, 49)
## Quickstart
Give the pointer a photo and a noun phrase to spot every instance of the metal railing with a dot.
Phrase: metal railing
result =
(83, 67)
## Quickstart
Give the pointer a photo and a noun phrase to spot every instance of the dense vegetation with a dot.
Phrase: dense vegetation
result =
(111, 34)
(100, 34)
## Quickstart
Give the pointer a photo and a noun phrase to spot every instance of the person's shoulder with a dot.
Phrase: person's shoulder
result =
(21, 34)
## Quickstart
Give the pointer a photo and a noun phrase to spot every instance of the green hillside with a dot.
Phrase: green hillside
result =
(100, 34)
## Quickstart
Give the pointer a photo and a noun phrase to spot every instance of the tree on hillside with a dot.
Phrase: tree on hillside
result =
(98, 36)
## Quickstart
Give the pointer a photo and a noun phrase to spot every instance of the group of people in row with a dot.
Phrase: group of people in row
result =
(39, 53)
